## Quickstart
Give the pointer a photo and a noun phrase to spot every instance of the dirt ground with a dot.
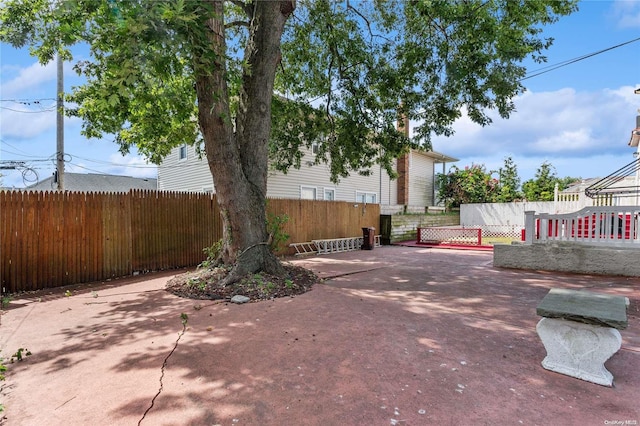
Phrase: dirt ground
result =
(393, 336)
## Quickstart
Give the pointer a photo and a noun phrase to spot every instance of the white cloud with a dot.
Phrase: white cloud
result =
(626, 13)
(562, 123)
(35, 90)
(131, 165)
(21, 122)
(27, 79)
(566, 141)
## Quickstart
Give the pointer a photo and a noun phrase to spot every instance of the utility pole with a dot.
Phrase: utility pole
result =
(60, 124)
(635, 143)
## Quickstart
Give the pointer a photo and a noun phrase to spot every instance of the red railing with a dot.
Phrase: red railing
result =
(450, 236)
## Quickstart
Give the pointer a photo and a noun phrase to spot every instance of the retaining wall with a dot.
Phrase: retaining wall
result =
(395, 228)
(568, 257)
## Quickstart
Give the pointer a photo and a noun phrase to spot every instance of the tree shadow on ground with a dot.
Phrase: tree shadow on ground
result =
(413, 333)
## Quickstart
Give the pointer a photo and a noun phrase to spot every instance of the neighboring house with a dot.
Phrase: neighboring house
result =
(93, 182)
(183, 170)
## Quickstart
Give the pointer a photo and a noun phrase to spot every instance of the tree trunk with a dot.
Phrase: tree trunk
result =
(239, 159)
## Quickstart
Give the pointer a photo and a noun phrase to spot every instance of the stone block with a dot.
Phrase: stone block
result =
(579, 350)
(585, 306)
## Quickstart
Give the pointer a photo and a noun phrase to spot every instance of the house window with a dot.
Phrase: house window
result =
(315, 146)
(329, 194)
(366, 197)
(182, 152)
(307, 193)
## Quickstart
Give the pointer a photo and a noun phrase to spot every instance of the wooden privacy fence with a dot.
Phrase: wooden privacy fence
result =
(317, 220)
(52, 239)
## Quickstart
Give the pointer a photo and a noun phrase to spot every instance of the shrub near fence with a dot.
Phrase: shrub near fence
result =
(52, 239)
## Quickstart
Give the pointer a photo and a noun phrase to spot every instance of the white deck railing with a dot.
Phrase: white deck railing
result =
(604, 225)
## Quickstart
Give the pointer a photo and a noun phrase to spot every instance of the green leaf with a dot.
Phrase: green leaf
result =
(114, 100)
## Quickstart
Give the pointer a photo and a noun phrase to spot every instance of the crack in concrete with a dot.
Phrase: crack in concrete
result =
(164, 365)
(344, 274)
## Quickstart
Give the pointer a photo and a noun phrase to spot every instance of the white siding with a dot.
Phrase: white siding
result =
(280, 185)
(420, 179)
(189, 175)
(193, 175)
(389, 192)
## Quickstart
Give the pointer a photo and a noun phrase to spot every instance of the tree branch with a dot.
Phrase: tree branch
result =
(246, 7)
(364, 18)
(237, 24)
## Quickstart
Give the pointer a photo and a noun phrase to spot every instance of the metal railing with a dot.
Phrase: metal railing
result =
(610, 225)
(331, 245)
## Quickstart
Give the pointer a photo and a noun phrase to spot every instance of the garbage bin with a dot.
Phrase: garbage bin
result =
(368, 238)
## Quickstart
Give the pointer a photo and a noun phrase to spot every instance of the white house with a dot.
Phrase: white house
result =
(183, 170)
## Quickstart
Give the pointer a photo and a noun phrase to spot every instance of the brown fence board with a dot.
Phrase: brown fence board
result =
(49, 239)
(83, 253)
(4, 229)
(314, 220)
(48, 226)
(17, 244)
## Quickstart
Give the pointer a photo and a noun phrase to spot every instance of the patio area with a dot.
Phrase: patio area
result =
(392, 336)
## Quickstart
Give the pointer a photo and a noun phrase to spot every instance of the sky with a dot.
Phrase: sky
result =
(578, 117)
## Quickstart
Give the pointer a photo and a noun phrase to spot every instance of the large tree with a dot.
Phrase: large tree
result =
(542, 186)
(167, 72)
(466, 186)
(509, 182)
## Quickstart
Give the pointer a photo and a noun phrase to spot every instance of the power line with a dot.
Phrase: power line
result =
(108, 163)
(85, 168)
(553, 67)
(22, 153)
(49, 109)
(27, 100)
(135, 166)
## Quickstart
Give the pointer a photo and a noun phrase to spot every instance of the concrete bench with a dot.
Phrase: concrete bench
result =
(579, 330)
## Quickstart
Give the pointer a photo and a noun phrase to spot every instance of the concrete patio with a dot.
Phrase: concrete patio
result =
(393, 336)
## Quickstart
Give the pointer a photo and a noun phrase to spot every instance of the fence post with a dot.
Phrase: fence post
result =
(529, 226)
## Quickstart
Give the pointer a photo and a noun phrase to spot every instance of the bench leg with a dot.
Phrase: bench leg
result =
(579, 350)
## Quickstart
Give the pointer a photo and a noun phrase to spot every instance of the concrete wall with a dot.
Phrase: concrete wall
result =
(395, 228)
(501, 213)
(568, 257)
(513, 213)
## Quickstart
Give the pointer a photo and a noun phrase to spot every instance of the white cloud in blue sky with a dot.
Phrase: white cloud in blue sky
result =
(626, 13)
(578, 117)
(22, 80)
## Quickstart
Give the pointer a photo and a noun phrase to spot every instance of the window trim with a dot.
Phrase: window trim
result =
(180, 148)
(365, 193)
(315, 192)
(324, 193)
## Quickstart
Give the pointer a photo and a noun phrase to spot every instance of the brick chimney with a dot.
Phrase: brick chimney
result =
(402, 165)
